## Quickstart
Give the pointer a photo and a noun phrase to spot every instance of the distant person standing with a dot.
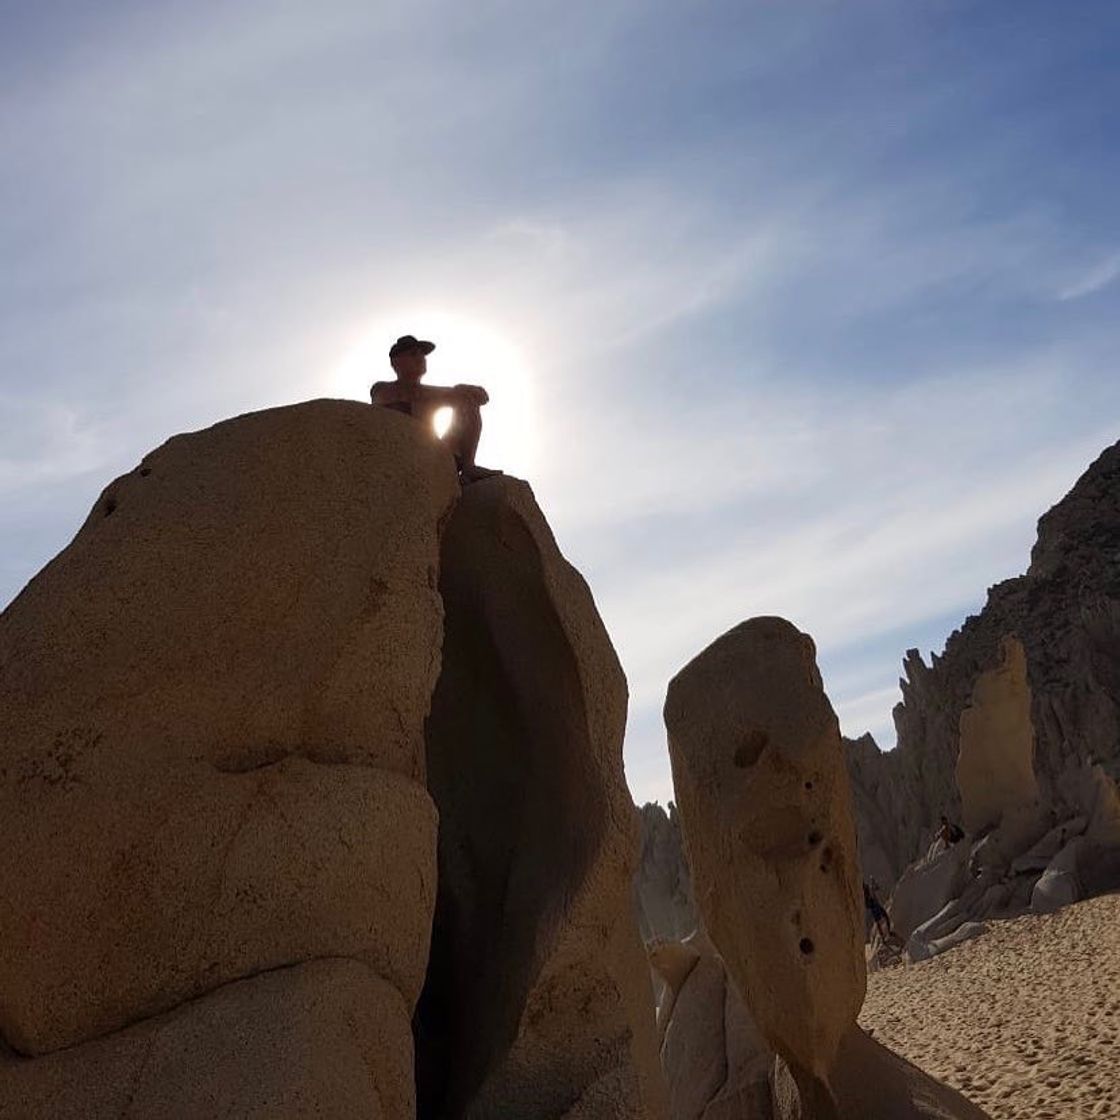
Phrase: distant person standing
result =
(409, 358)
(877, 912)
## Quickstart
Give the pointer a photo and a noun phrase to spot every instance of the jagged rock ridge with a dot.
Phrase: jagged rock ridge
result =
(1065, 612)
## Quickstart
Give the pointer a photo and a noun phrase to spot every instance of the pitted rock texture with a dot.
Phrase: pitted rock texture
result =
(762, 782)
(762, 786)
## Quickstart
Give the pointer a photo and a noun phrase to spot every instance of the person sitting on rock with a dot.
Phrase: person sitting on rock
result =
(409, 358)
(878, 914)
(949, 833)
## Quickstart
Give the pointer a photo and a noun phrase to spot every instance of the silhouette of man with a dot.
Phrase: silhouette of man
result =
(409, 358)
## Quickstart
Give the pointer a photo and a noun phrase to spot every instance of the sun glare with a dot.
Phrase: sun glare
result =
(467, 351)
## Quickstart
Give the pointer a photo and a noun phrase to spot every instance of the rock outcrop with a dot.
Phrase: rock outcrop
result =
(538, 989)
(761, 779)
(219, 785)
(715, 1060)
(762, 786)
(1064, 613)
(211, 724)
(663, 883)
(995, 760)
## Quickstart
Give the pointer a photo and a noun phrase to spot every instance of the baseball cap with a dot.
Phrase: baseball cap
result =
(408, 342)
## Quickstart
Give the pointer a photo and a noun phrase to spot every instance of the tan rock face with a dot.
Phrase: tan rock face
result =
(211, 725)
(538, 996)
(324, 1039)
(715, 1061)
(762, 789)
(995, 767)
(1065, 612)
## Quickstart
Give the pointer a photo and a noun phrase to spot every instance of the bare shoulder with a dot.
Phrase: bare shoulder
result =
(382, 391)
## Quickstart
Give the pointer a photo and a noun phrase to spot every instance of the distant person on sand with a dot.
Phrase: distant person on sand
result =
(409, 358)
(878, 915)
(949, 833)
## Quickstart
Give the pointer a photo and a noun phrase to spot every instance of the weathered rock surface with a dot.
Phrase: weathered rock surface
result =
(212, 754)
(761, 783)
(761, 778)
(663, 883)
(1065, 614)
(714, 1058)
(995, 760)
(218, 850)
(538, 995)
(324, 1039)
(876, 806)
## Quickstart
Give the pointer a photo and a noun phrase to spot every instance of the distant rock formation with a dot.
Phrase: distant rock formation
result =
(1015, 732)
(762, 784)
(1064, 613)
(666, 908)
(218, 792)
(715, 1060)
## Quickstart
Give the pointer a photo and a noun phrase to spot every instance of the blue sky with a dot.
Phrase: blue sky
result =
(806, 308)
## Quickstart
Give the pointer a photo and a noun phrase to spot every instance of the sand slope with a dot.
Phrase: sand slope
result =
(1024, 1021)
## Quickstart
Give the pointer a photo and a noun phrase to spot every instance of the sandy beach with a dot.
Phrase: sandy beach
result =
(1025, 1020)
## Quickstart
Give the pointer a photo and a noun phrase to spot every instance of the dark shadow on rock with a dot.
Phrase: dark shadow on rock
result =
(511, 770)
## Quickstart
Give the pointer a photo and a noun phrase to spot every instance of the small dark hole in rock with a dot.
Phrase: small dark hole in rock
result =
(145, 471)
(805, 945)
(753, 744)
(808, 785)
(110, 505)
(814, 839)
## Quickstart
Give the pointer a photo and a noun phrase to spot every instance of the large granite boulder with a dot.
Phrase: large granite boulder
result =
(212, 761)
(538, 995)
(219, 784)
(762, 786)
(761, 780)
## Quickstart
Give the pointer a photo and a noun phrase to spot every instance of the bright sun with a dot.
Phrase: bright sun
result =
(467, 351)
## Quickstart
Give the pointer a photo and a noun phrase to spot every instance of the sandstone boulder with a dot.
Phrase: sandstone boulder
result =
(538, 994)
(762, 787)
(212, 767)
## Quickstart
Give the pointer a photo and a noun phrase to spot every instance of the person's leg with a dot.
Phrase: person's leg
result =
(462, 440)
(463, 434)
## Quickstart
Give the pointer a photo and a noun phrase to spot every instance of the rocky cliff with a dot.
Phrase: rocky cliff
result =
(1065, 614)
(663, 884)
(225, 881)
